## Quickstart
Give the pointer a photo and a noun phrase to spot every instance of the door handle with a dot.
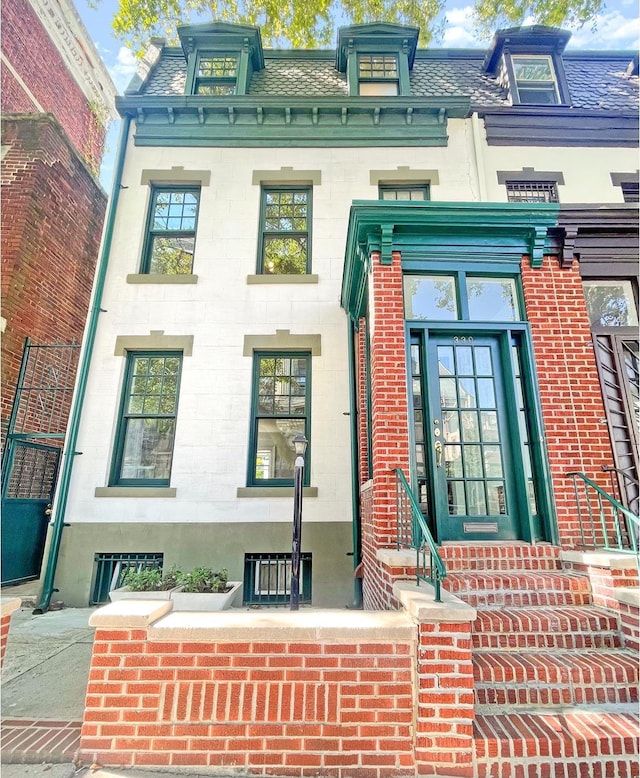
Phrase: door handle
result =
(438, 448)
(48, 511)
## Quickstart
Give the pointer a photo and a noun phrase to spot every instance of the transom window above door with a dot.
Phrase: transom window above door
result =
(460, 297)
(403, 192)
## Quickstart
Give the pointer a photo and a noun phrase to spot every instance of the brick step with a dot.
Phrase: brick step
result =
(541, 678)
(519, 588)
(461, 557)
(587, 627)
(575, 744)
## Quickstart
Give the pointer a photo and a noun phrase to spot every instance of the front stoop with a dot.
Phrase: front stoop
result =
(556, 692)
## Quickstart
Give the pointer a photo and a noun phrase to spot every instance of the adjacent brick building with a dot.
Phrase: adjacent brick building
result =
(57, 99)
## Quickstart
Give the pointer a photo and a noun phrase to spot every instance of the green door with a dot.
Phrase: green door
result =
(467, 434)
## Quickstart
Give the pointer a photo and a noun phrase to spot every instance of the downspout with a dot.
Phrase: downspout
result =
(355, 470)
(477, 150)
(69, 452)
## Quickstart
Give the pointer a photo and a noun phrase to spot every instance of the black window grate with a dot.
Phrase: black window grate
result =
(110, 570)
(532, 192)
(267, 579)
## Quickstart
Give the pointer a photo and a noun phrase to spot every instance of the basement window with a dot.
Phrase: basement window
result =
(110, 571)
(267, 578)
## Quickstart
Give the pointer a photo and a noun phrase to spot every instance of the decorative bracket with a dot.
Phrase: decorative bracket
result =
(386, 230)
(344, 115)
(538, 239)
(568, 247)
(200, 115)
(171, 115)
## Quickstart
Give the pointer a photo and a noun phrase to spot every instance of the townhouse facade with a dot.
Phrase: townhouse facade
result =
(404, 255)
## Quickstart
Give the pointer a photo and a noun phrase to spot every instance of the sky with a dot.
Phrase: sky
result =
(617, 27)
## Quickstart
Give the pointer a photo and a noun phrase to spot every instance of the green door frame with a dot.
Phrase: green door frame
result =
(542, 526)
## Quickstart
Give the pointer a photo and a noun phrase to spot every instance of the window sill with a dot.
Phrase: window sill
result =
(161, 278)
(135, 491)
(307, 278)
(274, 491)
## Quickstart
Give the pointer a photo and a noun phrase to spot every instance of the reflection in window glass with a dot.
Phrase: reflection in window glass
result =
(430, 298)
(492, 299)
(610, 303)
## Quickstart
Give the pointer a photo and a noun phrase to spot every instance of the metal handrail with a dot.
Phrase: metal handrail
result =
(625, 523)
(413, 532)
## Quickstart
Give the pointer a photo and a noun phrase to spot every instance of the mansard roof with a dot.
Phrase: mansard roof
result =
(600, 81)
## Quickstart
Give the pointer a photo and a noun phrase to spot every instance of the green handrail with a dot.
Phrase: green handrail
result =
(419, 537)
(626, 537)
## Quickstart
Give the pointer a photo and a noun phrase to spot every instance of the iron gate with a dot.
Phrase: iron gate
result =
(31, 455)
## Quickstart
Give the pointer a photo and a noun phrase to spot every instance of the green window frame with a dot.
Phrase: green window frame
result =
(403, 192)
(281, 409)
(216, 74)
(285, 230)
(170, 238)
(145, 435)
(378, 74)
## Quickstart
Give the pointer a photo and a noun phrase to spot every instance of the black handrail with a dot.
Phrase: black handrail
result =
(413, 532)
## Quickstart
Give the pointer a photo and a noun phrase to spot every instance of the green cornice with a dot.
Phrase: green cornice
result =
(240, 120)
(447, 231)
(377, 37)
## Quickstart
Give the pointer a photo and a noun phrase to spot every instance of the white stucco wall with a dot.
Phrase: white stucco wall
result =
(211, 447)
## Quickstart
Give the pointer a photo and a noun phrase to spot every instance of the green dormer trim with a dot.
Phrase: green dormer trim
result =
(219, 39)
(357, 40)
(432, 231)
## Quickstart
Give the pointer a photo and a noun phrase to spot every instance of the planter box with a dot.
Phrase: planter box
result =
(125, 593)
(194, 601)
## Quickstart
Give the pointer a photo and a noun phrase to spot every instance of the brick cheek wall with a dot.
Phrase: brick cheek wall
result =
(361, 394)
(52, 215)
(287, 708)
(35, 58)
(570, 396)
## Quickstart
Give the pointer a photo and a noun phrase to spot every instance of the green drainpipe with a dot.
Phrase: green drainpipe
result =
(355, 470)
(69, 453)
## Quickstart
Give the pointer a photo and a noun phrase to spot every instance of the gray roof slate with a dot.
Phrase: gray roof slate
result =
(595, 82)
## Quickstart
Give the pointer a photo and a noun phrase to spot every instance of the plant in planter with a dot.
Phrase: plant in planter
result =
(147, 583)
(204, 589)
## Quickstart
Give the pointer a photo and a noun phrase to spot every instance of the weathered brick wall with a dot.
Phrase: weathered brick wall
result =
(290, 708)
(28, 48)
(52, 215)
(5, 623)
(572, 407)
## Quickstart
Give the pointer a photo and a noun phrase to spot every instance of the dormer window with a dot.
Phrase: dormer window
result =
(378, 74)
(535, 80)
(221, 58)
(377, 58)
(216, 75)
(527, 61)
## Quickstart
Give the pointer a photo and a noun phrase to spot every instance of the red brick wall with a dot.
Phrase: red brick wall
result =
(32, 54)
(52, 215)
(363, 411)
(5, 623)
(389, 424)
(572, 407)
(286, 708)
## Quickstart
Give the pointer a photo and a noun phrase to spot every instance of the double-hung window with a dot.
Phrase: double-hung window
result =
(216, 74)
(285, 231)
(281, 410)
(378, 74)
(535, 79)
(146, 429)
(171, 231)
